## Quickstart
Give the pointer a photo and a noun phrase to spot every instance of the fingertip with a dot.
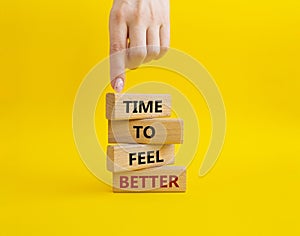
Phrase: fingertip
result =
(118, 85)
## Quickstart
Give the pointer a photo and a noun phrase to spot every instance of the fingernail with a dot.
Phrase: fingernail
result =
(119, 84)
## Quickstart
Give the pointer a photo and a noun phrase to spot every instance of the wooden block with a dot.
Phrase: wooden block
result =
(129, 157)
(148, 131)
(137, 106)
(159, 179)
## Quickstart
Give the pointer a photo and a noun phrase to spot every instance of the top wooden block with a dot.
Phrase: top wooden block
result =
(137, 106)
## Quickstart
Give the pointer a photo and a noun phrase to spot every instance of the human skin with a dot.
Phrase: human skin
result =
(142, 27)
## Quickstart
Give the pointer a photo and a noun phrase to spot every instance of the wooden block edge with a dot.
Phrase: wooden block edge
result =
(109, 112)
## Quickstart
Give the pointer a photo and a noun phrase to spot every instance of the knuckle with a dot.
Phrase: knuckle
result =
(139, 13)
(117, 15)
(163, 50)
(153, 52)
(138, 53)
(116, 47)
(140, 17)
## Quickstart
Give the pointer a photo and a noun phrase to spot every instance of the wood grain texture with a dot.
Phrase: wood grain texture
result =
(129, 157)
(137, 106)
(153, 131)
(158, 179)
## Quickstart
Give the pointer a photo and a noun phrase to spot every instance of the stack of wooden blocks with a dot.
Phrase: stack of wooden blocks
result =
(144, 143)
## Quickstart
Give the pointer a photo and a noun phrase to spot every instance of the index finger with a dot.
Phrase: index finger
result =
(118, 43)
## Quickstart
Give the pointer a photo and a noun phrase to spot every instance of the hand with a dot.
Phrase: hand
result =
(142, 27)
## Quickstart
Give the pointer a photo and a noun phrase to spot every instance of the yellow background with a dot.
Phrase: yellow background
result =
(252, 50)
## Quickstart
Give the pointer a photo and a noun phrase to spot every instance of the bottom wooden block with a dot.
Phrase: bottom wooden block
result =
(158, 179)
